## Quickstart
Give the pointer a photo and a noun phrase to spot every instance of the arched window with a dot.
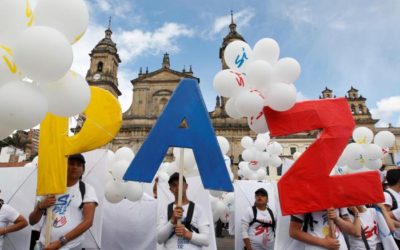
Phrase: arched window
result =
(100, 67)
(353, 109)
(161, 104)
(360, 109)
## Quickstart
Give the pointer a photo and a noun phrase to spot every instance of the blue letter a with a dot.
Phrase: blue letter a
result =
(185, 103)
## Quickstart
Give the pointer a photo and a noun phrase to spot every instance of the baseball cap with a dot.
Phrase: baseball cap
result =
(261, 191)
(78, 157)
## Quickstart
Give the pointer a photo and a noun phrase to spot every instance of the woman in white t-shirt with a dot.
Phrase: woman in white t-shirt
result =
(369, 227)
(258, 224)
(10, 221)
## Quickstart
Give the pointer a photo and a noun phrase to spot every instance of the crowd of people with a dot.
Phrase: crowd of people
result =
(187, 226)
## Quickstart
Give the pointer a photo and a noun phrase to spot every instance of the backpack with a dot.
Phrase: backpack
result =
(188, 220)
(272, 225)
(394, 201)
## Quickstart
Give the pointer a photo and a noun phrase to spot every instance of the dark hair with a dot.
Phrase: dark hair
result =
(175, 177)
(393, 176)
(261, 191)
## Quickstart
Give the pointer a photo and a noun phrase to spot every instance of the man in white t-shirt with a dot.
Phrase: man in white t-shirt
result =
(73, 212)
(10, 221)
(392, 198)
(258, 224)
(314, 230)
(193, 232)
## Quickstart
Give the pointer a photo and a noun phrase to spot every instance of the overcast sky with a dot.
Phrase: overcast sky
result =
(339, 44)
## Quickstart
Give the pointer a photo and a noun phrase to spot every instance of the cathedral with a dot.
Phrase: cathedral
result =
(152, 90)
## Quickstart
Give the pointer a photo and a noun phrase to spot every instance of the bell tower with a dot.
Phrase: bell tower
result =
(104, 62)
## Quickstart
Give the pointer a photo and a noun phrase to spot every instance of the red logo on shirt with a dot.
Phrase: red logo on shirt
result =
(372, 231)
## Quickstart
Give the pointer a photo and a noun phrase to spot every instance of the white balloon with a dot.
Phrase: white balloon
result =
(15, 15)
(296, 155)
(133, 191)
(246, 142)
(229, 200)
(373, 164)
(249, 102)
(263, 158)
(171, 168)
(163, 176)
(385, 139)
(258, 74)
(8, 69)
(261, 174)
(5, 130)
(240, 173)
(281, 96)
(260, 144)
(231, 109)
(258, 123)
(275, 148)
(114, 191)
(254, 165)
(68, 96)
(287, 70)
(188, 158)
(216, 193)
(218, 210)
(363, 135)
(124, 153)
(43, 54)
(223, 144)
(229, 83)
(351, 156)
(274, 161)
(237, 54)
(242, 164)
(23, 105)
(70, 17)
(372, 152)
(111, 156)
(264, 136)
(249, 154)
(266, 49)
(119, 169)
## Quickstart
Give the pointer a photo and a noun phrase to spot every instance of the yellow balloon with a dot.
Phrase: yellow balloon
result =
(103, 121)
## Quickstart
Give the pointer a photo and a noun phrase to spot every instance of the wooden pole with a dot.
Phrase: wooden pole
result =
(48, 225)
(180, 190)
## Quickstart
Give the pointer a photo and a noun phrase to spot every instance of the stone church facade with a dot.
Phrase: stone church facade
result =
(152, 90)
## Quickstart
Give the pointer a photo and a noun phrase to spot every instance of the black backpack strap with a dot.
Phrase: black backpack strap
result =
(364, 239)
(254, 216)
(82, 189)
(189, 217)
(1, 203)
(272, 218)
(308, 222)
(394, 201)
(170, 210)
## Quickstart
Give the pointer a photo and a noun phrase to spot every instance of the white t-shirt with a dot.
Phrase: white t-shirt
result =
(370, 228)
(199, 219)
(67, 214)
(389, 202)
(261, 238)
(7, 215)
(321, 228)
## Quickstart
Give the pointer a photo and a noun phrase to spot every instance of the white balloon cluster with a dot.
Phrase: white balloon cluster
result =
(116, 188)
(257, 155)
(257, 78)
(190, 168)
(363, 154)
(222, 205)
(35, 58)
